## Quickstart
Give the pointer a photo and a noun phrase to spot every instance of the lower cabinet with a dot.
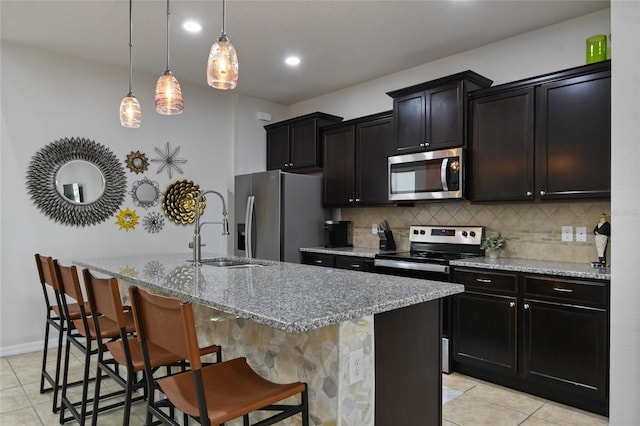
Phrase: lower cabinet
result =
(356, 263)
(545, 335)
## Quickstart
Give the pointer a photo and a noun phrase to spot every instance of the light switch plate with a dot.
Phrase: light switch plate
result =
(581, 233)
(374, 228)
(567, 233)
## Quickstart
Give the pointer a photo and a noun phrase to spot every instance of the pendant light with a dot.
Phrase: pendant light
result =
(130, 112)
(222, 67)
(168, 92)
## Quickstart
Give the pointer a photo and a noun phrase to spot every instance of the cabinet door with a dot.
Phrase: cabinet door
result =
(484, 331)
(374, 144)
(278, 148)
(354, 263)
(409, 122)
(573, 137)
(444, 125)
(304, 148)
(566, 347)
(318, 259)
(338, 148)
(501, 148)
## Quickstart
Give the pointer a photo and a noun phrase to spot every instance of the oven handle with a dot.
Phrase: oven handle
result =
(414, 266)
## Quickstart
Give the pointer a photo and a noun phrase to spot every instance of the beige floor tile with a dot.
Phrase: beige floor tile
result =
(23, 416)
(458, 382)
(28, 374)
(448, 423)
(563, 415)
(47, 417)
(8, 379)
(506, 397)
(466, 410)
(26, 360)
(33, 392)
(13, 399)
(4, 364)
(535, 421)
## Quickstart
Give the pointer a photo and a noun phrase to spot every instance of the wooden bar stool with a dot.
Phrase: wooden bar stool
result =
(81, 333)
(56, 320)
(104, 299)
(216, 393)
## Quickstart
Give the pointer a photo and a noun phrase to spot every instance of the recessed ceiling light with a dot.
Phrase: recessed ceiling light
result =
(192, 26)
(292, 61)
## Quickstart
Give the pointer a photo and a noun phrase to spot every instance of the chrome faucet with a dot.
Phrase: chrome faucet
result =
(196, 245)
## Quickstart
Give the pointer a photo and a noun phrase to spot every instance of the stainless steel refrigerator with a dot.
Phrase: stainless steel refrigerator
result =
(276, 213)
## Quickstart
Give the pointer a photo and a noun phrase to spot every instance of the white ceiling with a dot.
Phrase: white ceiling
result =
(341, 43)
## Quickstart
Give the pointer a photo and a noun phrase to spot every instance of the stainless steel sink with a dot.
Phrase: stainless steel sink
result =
(223, 261)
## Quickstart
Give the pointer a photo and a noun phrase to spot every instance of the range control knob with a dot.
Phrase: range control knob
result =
(464, 233)
(472, 233)
(415, 232)
(422, 232)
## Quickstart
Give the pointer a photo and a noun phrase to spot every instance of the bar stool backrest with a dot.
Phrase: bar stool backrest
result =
(104, 297)
(166, 322)
(45, 272)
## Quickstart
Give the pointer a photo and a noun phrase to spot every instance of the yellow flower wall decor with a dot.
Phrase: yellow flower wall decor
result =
(127, 219)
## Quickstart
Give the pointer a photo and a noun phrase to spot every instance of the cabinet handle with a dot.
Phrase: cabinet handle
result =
(422, 144)
(542, 193)
(483, 280)
(512, 304)
(355, 265)
(427, 143)
(285, 165)
(526, 306)
(319, 262)
(357, 200)
(351, 200)
(290, 164)
(529, 193)
(563, 290)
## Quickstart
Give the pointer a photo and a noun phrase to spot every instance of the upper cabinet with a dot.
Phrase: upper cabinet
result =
(295, 144)
(355, 161)
(432, 115)
(547, 137)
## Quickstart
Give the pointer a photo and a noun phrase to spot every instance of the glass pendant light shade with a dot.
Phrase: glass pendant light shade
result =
(222, 67)
(168, 95)
(130, 112)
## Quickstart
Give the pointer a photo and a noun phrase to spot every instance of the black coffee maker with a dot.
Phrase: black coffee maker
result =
(337, 233)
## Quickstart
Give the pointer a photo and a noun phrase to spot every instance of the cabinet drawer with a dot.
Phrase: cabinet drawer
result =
(355, 263)
(560, 289)
(319, 259)
(481, 280)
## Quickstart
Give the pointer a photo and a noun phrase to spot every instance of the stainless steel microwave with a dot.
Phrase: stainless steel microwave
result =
(430, 175)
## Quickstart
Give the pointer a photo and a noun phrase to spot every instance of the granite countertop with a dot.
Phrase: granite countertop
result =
(285, 296)
(345, 251)
(565, 269)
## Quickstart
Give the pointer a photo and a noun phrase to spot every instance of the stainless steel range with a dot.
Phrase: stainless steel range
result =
(431, 248)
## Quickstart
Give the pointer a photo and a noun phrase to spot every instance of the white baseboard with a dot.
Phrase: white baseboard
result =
(24, 348)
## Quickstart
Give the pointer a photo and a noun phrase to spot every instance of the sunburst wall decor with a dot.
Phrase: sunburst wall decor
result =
(169, 160)
(137, 162)
(127, 219)
(153, 222)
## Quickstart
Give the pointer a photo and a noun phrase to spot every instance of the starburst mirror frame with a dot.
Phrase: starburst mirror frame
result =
(137, 162)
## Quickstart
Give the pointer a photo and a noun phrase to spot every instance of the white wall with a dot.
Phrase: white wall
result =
(546, 50)
(625, 210)
(46, 97)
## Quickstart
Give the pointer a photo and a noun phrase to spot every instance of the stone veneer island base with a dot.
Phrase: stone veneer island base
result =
(298, 322)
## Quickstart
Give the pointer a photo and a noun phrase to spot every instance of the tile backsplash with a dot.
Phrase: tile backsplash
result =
(534, 230)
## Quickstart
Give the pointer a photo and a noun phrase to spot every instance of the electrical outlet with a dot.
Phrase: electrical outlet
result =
(374, 228)
(581, 233)
(567, 233)
(356, 368)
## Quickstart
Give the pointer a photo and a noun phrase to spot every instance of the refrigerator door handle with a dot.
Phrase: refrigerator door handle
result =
(248, 231)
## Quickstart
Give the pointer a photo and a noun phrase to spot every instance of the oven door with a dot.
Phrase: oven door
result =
(428, 175)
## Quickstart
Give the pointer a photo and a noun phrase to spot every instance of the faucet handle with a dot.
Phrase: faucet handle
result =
(191, 244)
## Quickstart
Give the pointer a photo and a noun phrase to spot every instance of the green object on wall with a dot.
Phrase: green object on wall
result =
(596, 48)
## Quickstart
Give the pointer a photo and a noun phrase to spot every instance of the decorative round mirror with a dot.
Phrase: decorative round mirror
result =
(145, 193)
(76, 181)
(80, 182)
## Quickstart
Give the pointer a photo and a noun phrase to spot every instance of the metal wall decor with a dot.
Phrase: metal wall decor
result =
(42, 174)
(169, 160)
(127, 219)
(179, 200)
(153, 222)
(137, 162)
(145, 193)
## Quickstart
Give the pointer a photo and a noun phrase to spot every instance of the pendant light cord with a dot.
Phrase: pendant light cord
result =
(130, 46)
(168, 13)
(224, 16)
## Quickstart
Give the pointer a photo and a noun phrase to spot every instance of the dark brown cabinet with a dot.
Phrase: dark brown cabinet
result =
(547, 137)
(432, 115)
(356, 263)
(295, 144)
(355, 161)
(541, 334)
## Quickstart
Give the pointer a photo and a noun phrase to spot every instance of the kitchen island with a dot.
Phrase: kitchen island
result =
(368, 345)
